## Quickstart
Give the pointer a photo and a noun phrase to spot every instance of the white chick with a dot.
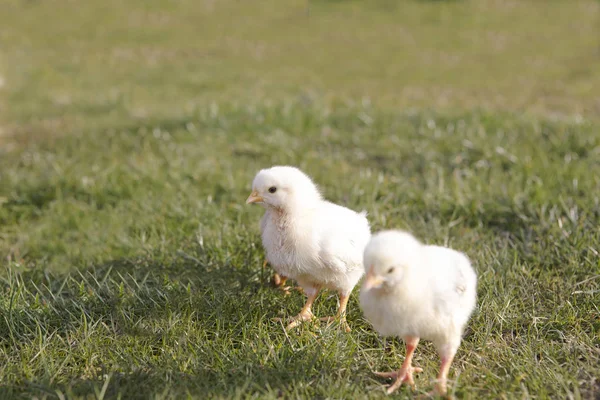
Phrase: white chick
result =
(417, 292)
(317, 243)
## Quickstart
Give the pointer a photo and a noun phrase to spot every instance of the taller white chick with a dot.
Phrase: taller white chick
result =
(317, 243)
(417, 292)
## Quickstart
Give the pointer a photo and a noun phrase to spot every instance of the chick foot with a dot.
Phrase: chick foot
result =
(278, 282)
(437, 392)
(297, 320)
(331, 319)
(403, 375)
(287, 290)
(306, 312)
(341, 313)
(300, 318)
(447, 353)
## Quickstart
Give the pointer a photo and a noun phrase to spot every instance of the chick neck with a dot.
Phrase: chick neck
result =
(297, 205)
(295, 208)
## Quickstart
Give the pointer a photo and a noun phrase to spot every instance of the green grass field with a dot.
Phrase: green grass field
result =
(129, 136)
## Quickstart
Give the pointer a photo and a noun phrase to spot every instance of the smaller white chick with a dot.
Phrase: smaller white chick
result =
(417, 292)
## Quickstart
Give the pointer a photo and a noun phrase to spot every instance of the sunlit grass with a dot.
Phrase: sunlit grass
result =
(129, 135)
(131, 261)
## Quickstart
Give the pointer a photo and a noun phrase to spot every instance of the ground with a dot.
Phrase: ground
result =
(129, 135)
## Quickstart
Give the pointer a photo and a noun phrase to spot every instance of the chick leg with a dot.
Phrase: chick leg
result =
(405, 373)
(306, 312)
(278, 281)
(341, 313)
(446, 355)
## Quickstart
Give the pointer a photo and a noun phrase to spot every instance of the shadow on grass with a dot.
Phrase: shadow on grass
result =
(146, 385)
(196, 323)
(135, 300)
(144, 286)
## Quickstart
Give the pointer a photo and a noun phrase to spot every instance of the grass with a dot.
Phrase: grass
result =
(108, 62)
(131, 267)
(166, 294)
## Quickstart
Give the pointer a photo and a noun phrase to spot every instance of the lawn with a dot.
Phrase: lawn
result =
(129, 136)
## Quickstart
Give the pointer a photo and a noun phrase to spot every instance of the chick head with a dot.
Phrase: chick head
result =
(388, 257)
(284, 188)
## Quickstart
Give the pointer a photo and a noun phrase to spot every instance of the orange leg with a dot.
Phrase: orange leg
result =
(441, 386)
(341, 313)
(405, 373)
(278, 280)
(306, 312)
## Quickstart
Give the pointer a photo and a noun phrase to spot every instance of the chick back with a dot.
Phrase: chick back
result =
(454, 284)
(321, 246)
(343, 235)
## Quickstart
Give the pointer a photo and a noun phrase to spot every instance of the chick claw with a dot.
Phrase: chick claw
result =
(438, 391)
(434, 394)
(287, 289)
(343, 322)
(298, 319)
(401, 376)
(278, 281)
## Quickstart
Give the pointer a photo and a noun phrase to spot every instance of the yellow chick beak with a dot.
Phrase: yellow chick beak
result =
(372, 281)
(254, 198)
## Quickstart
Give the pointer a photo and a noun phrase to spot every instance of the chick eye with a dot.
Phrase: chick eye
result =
(389, 271)
(272, 189)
